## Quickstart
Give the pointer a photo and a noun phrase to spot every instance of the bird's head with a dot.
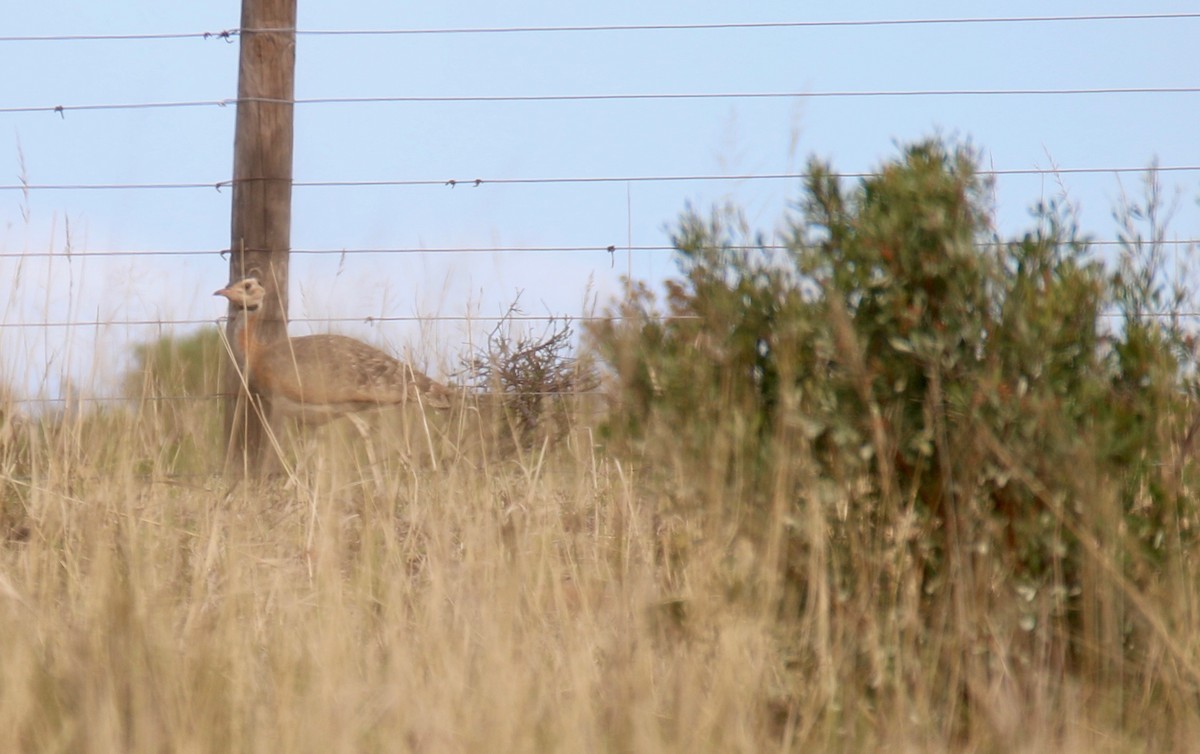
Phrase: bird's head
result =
(246, 293)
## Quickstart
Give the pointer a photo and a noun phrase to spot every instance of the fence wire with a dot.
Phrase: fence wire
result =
(230, 35)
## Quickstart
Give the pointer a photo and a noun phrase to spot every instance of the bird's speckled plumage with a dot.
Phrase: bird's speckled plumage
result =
(320, 377)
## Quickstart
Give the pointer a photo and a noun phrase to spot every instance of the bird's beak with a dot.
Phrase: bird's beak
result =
(223, 292)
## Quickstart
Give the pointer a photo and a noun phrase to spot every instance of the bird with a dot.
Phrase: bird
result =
(317, 378)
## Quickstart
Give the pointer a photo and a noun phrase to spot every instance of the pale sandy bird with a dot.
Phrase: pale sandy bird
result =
(320, 377)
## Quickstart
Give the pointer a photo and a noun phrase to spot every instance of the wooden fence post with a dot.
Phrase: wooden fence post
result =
(261, 219)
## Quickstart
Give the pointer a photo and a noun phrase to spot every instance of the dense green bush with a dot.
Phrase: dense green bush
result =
(998, 426)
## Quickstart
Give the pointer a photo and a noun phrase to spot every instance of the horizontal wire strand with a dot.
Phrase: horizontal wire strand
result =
(229, 34)
(550, 249)
(479, 182)
(605, 97)
(456, 318)
(367, 320)
(843, 23)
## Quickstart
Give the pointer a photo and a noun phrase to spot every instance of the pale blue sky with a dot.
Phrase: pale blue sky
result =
(499, 140)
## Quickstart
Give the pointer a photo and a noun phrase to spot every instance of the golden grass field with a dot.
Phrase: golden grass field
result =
(510, 605)
(536, 600)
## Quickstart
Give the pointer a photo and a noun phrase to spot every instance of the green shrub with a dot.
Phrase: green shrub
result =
(996, 426)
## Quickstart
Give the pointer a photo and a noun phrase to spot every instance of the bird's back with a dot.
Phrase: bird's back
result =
(335, 374)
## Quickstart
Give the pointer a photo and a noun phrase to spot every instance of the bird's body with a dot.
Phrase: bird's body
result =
(320, 377)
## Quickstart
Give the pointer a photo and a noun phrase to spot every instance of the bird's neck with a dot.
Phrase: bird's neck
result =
(248, 336)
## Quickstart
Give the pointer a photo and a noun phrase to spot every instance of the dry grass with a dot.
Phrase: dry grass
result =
(509, 605)
(531, 602)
